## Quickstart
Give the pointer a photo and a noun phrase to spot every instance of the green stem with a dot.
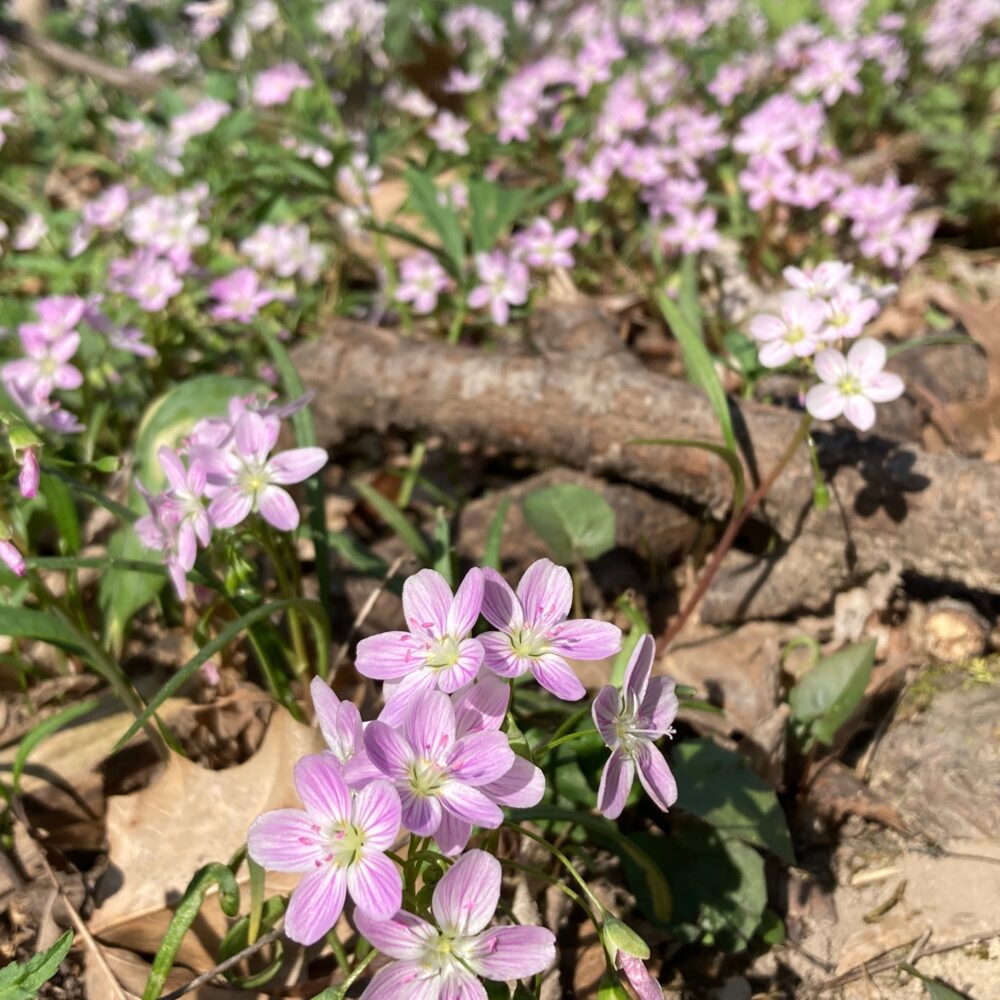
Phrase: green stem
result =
(733, 529)
(355, 974)
(559, 741)
(412, 475)
(274, 547)
(458, 320)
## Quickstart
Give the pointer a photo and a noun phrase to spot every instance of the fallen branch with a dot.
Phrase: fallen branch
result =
(65, 58)
(935, 514)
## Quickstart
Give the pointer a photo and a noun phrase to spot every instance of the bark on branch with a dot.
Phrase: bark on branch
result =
(936, 515)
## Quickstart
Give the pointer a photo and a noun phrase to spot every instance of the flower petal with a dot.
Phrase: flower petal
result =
(278, 508)
(585, 639)
(387, 749)
(452, 835)
(390, 655)
(430, 724)
(464, 669)
(296, 465)
(775, 353)
(426, 602)
(399, 695)
(230, 507)
(640, 666)
(655, 776)
(638, 976)
(860, 411)
(457, 984)
(285, 840)
(521, 787)
(499, 656)
(658, 708)
(606, 709)
(884, 387)
(421, 814)
(470, 804)
(377, 814)
(251, 434)
(616, 783)
(322, 788)
(404, 936)
(825, 402)
(831, 366)
(545, 593)
(501, 608)
(338, 731)
(866, 358)
(479, 758)
(375, 885)
(556, 675)
(468, 602)
(466, 898)
(482, 706)
(504, 953)
(316, 903)
(411, 980)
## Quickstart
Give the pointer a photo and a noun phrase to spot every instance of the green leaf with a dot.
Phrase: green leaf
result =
(698, 361)
(574, 521)
(494, 537)
(22, 981)
(718, 884)
(442, 561)
(396, 519)
(168, 419)
(27, 623)
(59, 501)
(936, 990)
(45, 729)
(728, 455)
(493, 210)
(718, 786)
(828, 694)
(441, 218)
(313, 610)
(305, 436)
(651, 877)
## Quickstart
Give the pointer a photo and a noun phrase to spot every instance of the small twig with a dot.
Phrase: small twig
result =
(887, 965)
(732, 530)
(81, 928)
(66, 58)
(820, 963)
(252, 949)
(363, 612)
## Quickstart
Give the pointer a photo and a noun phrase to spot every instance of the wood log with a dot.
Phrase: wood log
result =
(938, 515)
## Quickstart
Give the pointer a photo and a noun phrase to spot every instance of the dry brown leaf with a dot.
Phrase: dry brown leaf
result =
(160, 836)
(132, 973)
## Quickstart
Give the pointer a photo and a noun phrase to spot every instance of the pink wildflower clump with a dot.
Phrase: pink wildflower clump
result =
(504, 283)
(239, 296)
(276, 85)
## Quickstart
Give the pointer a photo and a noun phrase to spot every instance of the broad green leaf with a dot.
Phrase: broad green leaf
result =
(728, 455)
(718, 786)
(718, 884)
(441, 218)
(22, 981)
(936, 990)
(493, 210)
(574, 521)
(657, 888)
(29, 623)
(828, 694)
(168, 419)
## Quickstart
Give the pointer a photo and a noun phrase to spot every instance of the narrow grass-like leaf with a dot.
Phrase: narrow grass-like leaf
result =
(728, 455)
(442, 561)
(441, 218)
(313, 610)
(397, 520)
(494, 537)
(43, 730)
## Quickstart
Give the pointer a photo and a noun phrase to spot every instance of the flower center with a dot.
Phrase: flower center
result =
(795, 335)
(527, 642)
(47, 366)
(254, 477)
(346, 843)
(849, 386)
(442, 653)
(426, 778)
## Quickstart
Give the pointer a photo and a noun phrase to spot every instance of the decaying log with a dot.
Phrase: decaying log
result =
(937, 515)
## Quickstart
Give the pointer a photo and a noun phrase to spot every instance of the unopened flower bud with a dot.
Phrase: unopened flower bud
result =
(620, 935)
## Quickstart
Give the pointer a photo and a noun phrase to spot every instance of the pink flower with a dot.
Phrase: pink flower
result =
(11, 557)
(276, 85)
(435, 772)
(692, 231)
(444, 962)
(820, 281)
(422, 279)
(542, 246)
(852, 385)
(341, 726)
(793, 334)
(504, 284)
(534, 634)
(847, 312)
(183, 500)
(338, 842)
(251, 481)
(438, 651)
(630, 721)
(146, 278)
(57, 316)
(28, 477)
(46, 366)
(448, 132)
(239, 296)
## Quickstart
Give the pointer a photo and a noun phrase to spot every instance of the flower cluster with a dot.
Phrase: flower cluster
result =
(221, 474)
(824, 309)
(438, 763)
